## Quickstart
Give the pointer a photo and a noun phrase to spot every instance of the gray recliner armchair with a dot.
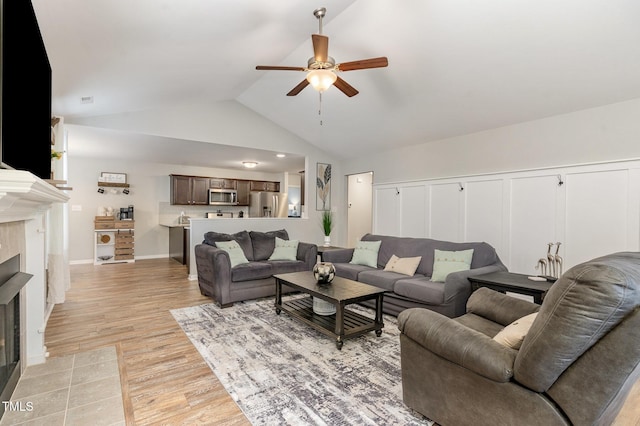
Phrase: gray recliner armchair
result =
(576, 364)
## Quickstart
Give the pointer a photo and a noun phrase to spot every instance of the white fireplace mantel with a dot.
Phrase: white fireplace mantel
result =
(23, 195)
(27, 199)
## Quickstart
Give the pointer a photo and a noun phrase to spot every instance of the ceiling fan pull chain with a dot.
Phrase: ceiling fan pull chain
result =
(320, 107)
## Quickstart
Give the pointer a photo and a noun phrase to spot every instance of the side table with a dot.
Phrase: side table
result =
(512, 282)
(323, 249)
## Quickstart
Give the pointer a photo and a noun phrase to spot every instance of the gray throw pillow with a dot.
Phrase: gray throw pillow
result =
(264, 242)
(242, 238)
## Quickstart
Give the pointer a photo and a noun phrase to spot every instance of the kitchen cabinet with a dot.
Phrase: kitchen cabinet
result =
(179, 243)
(244, 192)
(260, 185)
(189, 190)
(219, 183)
(113, 240)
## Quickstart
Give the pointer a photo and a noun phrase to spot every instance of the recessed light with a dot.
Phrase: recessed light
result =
(280, 155)
(249, 164)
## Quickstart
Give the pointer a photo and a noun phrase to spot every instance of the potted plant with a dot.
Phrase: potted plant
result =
(327, 226)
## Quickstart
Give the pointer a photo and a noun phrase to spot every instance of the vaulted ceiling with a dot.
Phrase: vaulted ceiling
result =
(455, 66)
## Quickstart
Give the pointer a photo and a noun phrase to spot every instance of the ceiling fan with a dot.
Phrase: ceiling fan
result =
(321, 69)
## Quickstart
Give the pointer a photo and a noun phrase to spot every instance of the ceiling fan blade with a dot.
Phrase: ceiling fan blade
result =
(278, 68)
(364, 64)
(345, 87)
(304, 83)
(320, 47)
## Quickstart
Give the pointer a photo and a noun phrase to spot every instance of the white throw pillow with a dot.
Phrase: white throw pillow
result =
(236, 255)
(446, 262)
(366, 253)
(403, 265)
(513, 334)
(284, 250)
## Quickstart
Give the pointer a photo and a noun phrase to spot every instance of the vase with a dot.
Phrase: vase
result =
(322, 307)
(324, 272)
(327, 240)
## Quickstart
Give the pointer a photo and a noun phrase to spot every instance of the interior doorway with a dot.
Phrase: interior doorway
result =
(359, 206)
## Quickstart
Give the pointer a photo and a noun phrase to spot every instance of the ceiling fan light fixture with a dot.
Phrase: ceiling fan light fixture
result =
(249, 164)
(321, 80)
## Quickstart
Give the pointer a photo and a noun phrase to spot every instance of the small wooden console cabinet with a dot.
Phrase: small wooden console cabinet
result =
(113, 240)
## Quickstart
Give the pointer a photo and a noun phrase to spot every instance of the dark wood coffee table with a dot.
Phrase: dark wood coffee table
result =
(344, 324)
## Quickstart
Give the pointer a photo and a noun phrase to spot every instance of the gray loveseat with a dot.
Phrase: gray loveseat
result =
(252, 280)
(575, 366)
(448, 298)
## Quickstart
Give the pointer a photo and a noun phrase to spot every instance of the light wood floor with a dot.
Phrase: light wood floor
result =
(164, 379)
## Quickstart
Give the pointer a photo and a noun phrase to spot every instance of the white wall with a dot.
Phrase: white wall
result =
(227, 123)
(605, 133)
(149, 194)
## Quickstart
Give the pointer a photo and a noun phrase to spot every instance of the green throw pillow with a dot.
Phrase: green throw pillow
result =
(445, 262)
(236, 255)
(366, 253)
(284, 250)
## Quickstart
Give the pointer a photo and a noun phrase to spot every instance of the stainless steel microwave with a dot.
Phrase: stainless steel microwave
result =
(223, 197)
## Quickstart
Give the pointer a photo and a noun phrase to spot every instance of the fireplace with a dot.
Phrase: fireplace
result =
(11, 282)
(25, 221)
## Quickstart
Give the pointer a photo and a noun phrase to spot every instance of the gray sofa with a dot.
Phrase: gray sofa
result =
(226, 285)
(448, 298)
(576, 364)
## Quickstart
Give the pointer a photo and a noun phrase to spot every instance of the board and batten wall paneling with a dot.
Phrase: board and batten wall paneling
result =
(386, 220)
(591, 210)
(533, 223)
(597, 214)
(446, 210)
(484, 211)
(413, 210)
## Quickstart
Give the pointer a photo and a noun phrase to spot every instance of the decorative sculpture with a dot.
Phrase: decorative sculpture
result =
(324, 272)
(551, 265)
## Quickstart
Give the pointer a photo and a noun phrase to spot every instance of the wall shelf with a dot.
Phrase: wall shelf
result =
(113, 185)
(60, 184)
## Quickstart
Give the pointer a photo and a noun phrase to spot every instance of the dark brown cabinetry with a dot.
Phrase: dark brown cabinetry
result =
(194, 190)
(222, 183)
(179, 244)
(243, 188)
(260, 185)
(189, 190)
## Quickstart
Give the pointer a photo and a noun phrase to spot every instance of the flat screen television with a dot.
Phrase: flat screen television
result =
(25, 73)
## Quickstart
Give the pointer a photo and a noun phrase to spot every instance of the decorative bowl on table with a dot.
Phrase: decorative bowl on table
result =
(324, 272)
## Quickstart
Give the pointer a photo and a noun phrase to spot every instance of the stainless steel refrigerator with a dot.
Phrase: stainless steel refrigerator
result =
(268, 204)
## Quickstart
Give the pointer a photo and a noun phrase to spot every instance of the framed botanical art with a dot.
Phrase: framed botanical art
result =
(323, 186)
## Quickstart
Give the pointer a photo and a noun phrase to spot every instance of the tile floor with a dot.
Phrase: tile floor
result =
(79, 389)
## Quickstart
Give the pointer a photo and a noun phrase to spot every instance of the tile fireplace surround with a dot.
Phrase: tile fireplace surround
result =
(24, 204)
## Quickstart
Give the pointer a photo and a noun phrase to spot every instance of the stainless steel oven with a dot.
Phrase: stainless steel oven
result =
(223, 197)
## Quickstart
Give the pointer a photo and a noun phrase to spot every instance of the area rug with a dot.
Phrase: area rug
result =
(281, 371)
